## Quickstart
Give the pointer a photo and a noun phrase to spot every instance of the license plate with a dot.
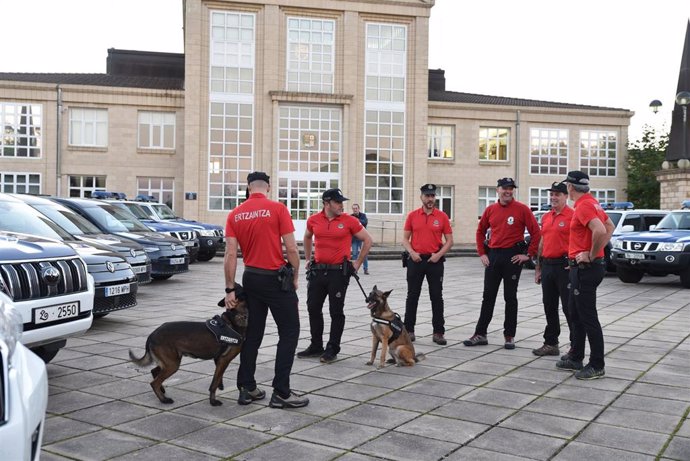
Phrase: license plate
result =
(117, 290)
(634, 256)
(139, 269)
(188, 244)
(174, 261)
(56, 312)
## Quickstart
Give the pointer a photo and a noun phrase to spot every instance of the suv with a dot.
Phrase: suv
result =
(626, 221)
(115, 283)
(663, 250)
(211, 236)
(168, 255)
(50, 287)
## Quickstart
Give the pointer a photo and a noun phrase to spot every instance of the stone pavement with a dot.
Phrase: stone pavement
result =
(480, 403)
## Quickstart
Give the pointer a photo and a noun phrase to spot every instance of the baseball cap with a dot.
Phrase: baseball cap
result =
(558, 187)
(577, 177)
(258, 176)
(428, 189)
(506, 182)
(333, 194)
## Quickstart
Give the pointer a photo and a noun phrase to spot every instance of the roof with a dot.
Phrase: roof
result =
(470, 98)
(123, 81)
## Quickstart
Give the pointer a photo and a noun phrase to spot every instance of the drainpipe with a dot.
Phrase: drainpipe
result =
(517, 151)
(58, 149)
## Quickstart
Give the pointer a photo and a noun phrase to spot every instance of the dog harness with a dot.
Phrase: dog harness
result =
(224, 334)
(396, 325)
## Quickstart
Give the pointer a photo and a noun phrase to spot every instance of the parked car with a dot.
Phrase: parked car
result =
(82, 229)
(626, 221)
(661, 251)
(685, 204)
(49, 286)
(185, 234)
(168, 255)
(23, 390)
(115, 283)
(211, 236)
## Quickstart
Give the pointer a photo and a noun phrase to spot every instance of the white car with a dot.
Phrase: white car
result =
(23, 391)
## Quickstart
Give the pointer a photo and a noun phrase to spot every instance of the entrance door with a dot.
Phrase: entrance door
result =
(302, 196)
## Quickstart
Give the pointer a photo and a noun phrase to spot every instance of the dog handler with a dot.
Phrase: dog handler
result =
(261, 227)
(329, 274)
(507, 219)
(427, 237)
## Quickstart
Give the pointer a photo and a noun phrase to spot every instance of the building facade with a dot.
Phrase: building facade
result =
(318, 94)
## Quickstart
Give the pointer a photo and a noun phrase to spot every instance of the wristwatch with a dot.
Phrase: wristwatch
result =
(229, 290)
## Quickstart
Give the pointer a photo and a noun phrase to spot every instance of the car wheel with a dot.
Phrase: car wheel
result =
(44, 353)
(627, 275)
(205, 256)
(161, 277)
(685, 277)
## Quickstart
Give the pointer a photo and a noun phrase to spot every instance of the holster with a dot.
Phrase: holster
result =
(405, 256)
(286, 278)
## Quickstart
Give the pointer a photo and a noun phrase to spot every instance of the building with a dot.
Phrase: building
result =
(317, 93)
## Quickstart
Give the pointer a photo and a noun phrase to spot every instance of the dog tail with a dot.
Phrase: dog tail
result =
(146, 359)
(419, 357)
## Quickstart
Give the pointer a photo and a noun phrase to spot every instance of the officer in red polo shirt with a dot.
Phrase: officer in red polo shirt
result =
(427, 237)
(552, 266)
(590, 231)
(331, 231)
(507, 219)
(261, 227)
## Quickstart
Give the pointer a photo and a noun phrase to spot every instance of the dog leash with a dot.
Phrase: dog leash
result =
(354, 274)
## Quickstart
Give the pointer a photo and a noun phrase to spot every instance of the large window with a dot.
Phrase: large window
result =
(310, 55)
(309, 139)
(157, 130)
(444, 199)
(548, 151)
(384, 150)
(84, 186)
(440, 141)
(493, 144)
(20, 183)
(231, 108)
(88, 127)
(604, 195)
(21, 129)
(598, 152)
(487, 196)
(163, 189)
(538, 196)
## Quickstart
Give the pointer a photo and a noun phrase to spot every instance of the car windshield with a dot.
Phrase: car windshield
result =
(676, 220)
(135, 209)
(163, 211)
(68, 219)
(116, 219)
(21, 218)
(615, 217)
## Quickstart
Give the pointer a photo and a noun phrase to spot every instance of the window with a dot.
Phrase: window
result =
(487, 196)
(538, 196)
(384, 160)
(20, 183)
(88, 127)
(309, 139)
(444, 200)
(310, 55)
(232, 52)
(83, 186)
(440, 140)
(386, 65)
(548, 151)
(157, 130)
(604, 195)
(22, 127)
(598, 152)
(163, 189)
(493, 144)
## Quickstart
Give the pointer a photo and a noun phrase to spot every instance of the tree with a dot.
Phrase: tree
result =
(644, 158)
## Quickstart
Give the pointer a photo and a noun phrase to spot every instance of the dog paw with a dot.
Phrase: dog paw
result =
(216, 403)
(167, 400)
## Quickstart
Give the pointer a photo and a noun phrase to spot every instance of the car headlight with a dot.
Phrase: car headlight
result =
(207, 233)
(618, 244)
(151, 249)
(10, 326)
(678, 246)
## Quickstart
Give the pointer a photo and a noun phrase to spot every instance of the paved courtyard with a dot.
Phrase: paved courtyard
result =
(480, 403)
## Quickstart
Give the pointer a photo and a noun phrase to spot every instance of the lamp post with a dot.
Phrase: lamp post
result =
(683, 100)
(655, 105)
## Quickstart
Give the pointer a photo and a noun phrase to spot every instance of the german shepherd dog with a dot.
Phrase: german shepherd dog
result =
(388, 329)
(173, 340)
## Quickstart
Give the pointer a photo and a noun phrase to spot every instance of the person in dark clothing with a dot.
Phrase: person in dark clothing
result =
(507, 219)
(357, 243)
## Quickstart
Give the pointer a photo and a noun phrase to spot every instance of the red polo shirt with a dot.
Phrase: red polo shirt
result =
(257, 225)
(586, 209)
(507, 223)
(332, 237)
(427, 230)
(555, 233)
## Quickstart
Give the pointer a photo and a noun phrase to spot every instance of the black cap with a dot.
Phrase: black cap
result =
(577, 177)
(333, 194)
(559, 187)
(428, 189)
(258, 176)
(506, 182)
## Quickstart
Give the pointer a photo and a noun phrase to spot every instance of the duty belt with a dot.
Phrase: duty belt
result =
(258, 270)
(326, 267)
(573, 263)
(562, 260)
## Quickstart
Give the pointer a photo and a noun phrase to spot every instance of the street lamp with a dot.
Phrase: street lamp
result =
(655, 105)
(683, 100)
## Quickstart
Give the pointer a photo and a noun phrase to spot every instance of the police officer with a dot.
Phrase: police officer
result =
(357, 243)
(427, 237)
(590, 231)
(507, 219)
(331, 231)
(261, 227)
(551, 270)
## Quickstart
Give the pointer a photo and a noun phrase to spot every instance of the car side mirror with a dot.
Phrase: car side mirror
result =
(628, 228)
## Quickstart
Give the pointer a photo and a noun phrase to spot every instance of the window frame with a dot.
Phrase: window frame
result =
(84, 124)
(11, 115)
(588, 168)
(169, 120)
(483, 195)
(445, 199)
(308, 67)
(486, 140)
(26, 185)
(159, 191)
(445, 141)
(544, 148)
(85, 191)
